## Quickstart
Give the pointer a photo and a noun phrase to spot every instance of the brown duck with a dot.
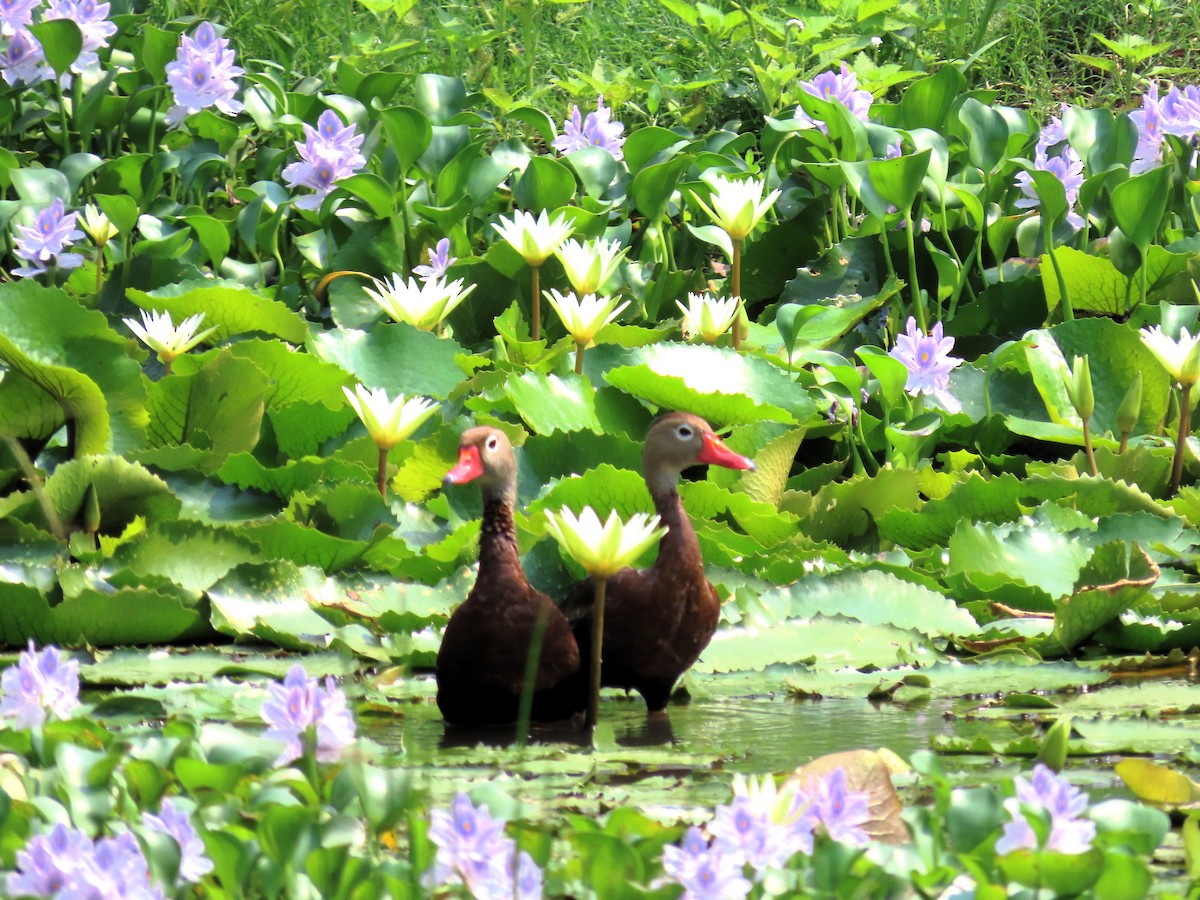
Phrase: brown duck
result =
(658, 620)
(481, 663)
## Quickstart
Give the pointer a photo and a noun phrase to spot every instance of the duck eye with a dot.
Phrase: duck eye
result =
(684, 432)
(492, 443)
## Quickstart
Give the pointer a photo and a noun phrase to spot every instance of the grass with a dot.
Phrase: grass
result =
(656, 68)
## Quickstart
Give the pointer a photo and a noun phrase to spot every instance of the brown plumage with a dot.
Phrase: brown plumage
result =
(658, 620)
(481, 663)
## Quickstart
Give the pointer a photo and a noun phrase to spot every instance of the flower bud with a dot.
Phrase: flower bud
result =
(1079, 388)
(1131, 407)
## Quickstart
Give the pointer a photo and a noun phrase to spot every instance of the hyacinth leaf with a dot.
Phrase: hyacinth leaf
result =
(648, 145)
(898, 180)
(396, 357)
(439, 97)
(138, 615)
(595, 167)
(986, 135)
(890, 372)
(230, 307)
(409, 134)
(653, 186)
(219, 409)
(1138, 205)
(546, 184)
(213, 236)
(1063, 874)
(926, 102)
(1101, 139)
(1052, 196)
(61, 42)
(373, 191)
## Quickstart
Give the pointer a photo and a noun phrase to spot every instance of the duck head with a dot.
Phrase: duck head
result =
(486, 455)
(677, 441)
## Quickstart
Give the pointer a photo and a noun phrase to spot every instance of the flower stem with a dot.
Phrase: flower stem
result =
(1088, 449)
(593, 708)
(1185, 426)
(381, 473)
(525, 707)
(735, 279)
(1048, 245)
(579, 348)
(917, 300)
(537, 304)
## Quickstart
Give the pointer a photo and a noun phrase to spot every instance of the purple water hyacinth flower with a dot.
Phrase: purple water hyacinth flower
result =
(497, 882)
(1067, 167)
(1181, 111)
(745, 828)
(38, 684)
(842, 87)
(683, 861)
(596, 130)
(1149, 122)
(48, 862)
(172, 819)
(297, 705)
(1053, 132)
(45, 241)
(929, 363)
(439, 261)
(1065, 803)
(718, 876)
(94, 27)
(472, 850)
(23, 62)
(202, 75)
(16, 15)
(841, 811)
(328, 153)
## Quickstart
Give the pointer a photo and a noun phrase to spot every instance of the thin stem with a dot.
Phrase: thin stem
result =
(593, 709)
(1124, 442)
(62, 117)
(1048, 243)
(579, 348)
(1087, 448)
(537, 303)
(381, 473)
(735, 278)
(914, 286)
(1185, 425)
(525, 707)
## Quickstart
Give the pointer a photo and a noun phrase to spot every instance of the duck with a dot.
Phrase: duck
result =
(658, 620)
(483, 656)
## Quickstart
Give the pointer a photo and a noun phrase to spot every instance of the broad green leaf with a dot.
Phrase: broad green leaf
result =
(74, 356)
(60, 40)
(439, 97)
(846, 512)
(232, 308)
(993, 556)
(409, 133)
(1138, 205)
(303, 545)
(245, 471)
(548, 403)
(545, 185)
(192, 555)
(927, 101)
(987, 134)
(1111, 582)
(273, 601)
(396, 357)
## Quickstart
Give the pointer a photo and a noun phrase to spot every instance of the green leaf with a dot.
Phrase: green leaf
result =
(546, 184)
(439, 97)
(409, 134)
(653, 186)
(548, 403)
(61, 42)
(927, 101)
(192, 555)
(1138, 205)
(395, 356)
(70, 353)
(232, 308)
(720, 384)
(272, 601)
(595, 168)
(213, 234)
(987, 134)
(846, 512)
(993, 556)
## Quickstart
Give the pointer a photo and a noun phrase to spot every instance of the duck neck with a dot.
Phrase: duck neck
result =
(499, 554)
(679, 547)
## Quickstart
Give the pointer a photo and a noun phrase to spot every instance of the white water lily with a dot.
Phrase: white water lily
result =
(738, 205)
(422, 304)
(534, 238)
(583, 318)
(97, 225)
(164, 337)
(590, 265)
(603, 549)
(708, 316)
(1181, 358)
(389, 420)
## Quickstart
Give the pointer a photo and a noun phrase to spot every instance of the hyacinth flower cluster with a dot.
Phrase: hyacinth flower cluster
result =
(761, 830)
(299, 711)
(203, 74)
(1065, 804)
(328, 153)
(595, 130)
(44, 243)
(1054, 154)
(67, 863)
(23, 62)
(1177, 113)
(841, 87)
(94, 27)
(929, 363)
(472, 851)
(40, 684)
